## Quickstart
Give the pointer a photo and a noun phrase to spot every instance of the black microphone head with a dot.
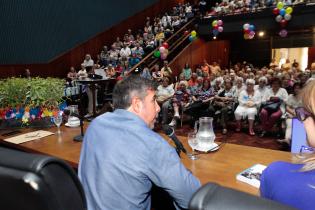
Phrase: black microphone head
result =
(168, 130)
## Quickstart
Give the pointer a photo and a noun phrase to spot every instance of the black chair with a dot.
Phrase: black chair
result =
(37, 182)
(215, 197)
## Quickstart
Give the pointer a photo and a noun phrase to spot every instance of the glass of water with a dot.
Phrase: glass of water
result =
(193, 142)
(58, 121)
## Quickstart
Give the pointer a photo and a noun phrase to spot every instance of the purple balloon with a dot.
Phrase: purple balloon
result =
(252, 33)
(283, 33)
(220, 29)
(220, 22)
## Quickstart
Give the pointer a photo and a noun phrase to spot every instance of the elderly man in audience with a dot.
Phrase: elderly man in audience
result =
(113, 54)
(166, 71)
(249, 101)
(164, 93)
(82, 74)
(223, 103)
(238, 87)
(273, 105)
(180, 100)
(88, 62)
(262, 87)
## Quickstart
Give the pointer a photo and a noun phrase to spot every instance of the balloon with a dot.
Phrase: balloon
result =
(246, 36)
(252, 33)
(220, 29)
(163, 56)
(251, 36)
(278, 18)
(220, 22)
(252, 27)
(246, 26)
(215, 32)
(283, 23)
(246, 31)
(157, 54)
(162, 49)
(191, 38)
(283, 33)
(186, 33)
(216, 27)
(275, 11)
(280, 5)
(214, 23)
(288, 10)
(165, 45)
(193, 33)
(282, 12)
(287, 17)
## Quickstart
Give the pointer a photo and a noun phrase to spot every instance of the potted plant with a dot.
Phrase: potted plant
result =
(24, 101)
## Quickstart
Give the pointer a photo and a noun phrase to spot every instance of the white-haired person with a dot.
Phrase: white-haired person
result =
(262, 86)
(238, 87)
(249, 101)
(294, 184)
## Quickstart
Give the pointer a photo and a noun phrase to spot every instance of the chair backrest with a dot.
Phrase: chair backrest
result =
(298, 137)
(37, 182)
(214, 197)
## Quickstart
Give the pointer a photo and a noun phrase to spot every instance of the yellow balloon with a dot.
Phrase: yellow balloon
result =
(214, 23)
(280, 5)
(289, 10)
(246, 36)
(193, 33)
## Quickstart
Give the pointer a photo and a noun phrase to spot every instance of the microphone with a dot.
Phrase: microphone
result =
(170, 132)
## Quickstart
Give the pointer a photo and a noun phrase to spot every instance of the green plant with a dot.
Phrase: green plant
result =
(35, 92)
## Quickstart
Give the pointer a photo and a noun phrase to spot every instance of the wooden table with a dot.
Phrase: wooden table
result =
(220, 166)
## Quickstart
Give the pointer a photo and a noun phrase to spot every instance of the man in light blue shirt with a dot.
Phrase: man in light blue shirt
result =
(122, 157)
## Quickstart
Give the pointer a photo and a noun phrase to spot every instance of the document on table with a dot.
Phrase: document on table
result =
(28, 137)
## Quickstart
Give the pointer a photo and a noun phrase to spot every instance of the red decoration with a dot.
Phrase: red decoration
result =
(276, 11)
(165, 45)
(186, 33)
(246, 31)
(283, 23)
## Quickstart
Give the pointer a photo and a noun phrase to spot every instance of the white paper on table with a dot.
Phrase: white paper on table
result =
(28, 137)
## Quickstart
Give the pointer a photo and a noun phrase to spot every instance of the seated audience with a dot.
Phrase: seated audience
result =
(187, 72)
(72, 74)
(110, 171)
(88, 62)
(291, 104)
(272, 105)
(156, 73)
(166, 71)
(179, 101)
(223, 102)
(82, 74)
(289, 183)
(249, 101)
(239, 87)
(146, 73)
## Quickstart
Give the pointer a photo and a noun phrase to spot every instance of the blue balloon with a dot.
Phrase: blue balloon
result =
(282, 12)
(191, 38)
(215, 32)
(251, 27)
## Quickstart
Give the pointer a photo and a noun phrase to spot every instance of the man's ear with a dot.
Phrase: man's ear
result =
(136, 105)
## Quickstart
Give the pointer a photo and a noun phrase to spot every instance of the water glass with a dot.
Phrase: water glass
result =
(58, 121)
(193, 142)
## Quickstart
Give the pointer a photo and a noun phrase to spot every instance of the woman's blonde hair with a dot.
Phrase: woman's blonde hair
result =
(307, 95)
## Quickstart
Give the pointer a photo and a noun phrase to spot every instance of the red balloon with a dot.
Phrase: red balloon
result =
(216, 27)
(283, 23)
(246, 31)
(165, 44)
(276, 11)
(186, 32)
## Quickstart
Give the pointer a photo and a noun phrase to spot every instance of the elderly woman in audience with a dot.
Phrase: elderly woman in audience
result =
(249, 101)
(200, 101)
(292, 103)
(262, 87)
(156, 73)
(164, 93)
(180, 100)
(166, 71)
(273, 105)
(72, 75)
(224, 103)
(239, 87)
(88, 62)
(217, 85)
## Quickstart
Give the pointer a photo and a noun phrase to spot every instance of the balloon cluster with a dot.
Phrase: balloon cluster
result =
(162, 52)
(283, 16)
(217, 27)
(249, 31)
(193, 36)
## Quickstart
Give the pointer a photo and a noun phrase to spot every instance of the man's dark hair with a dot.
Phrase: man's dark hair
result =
(129, 87)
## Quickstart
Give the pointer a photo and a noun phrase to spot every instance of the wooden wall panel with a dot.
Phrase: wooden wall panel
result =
(59, 66)
(311, 56)
(199, 50)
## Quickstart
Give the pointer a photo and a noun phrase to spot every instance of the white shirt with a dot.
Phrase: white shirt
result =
(282, 94)
(88, 63)
(125, 52)
(243, 98)
(165, 91)
(261, 91)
